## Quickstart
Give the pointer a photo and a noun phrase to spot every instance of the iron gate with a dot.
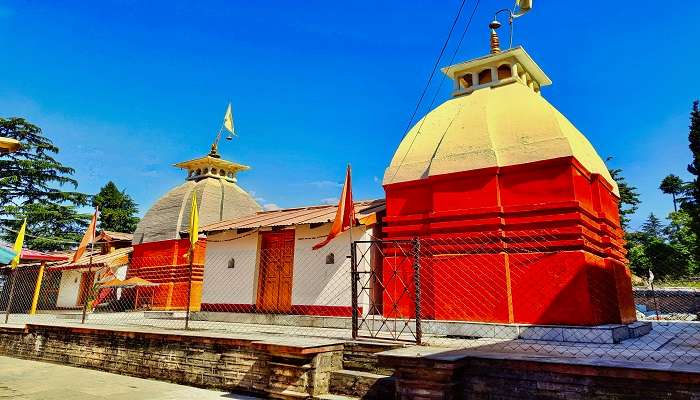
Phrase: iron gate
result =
(386, 289)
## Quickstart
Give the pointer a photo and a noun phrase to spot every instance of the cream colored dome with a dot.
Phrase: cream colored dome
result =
(218, 198)
(501, 125)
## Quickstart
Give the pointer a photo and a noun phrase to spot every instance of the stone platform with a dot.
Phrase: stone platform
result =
(611, 333)
(280, 367)
(323, 363)
(439, 373)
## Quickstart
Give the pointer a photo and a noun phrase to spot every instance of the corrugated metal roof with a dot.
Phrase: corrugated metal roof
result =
(116, 258)
(34, 255)
(110, 236)
(296, 216)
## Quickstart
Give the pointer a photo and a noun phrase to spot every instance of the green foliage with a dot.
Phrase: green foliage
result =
(117, 209)
(671, 251)
(32, 185)
(629, 197)
(667, 250)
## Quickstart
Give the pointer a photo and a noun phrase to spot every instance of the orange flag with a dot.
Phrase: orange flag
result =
(87, 238)
(345, 216)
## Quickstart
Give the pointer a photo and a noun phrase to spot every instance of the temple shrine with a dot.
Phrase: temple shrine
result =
(160, 253)
(522, 210)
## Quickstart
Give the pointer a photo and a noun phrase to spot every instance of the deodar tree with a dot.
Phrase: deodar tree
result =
(36, 186)
(117, 209)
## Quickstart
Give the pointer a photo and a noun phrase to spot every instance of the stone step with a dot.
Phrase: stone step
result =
(365, 385)
(335, 397)
(287, 395)
(361, 355)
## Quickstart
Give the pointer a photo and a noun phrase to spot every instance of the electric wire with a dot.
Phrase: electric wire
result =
(437, 92)
(435, 66)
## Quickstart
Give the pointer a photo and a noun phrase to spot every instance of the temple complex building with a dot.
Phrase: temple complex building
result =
(527, 205)
(160, 252)
(265, 262)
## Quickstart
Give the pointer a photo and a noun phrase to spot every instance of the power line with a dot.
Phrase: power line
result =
(454, 54)
(435, 66)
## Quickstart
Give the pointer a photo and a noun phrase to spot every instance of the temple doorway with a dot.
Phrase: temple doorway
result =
(276, 265)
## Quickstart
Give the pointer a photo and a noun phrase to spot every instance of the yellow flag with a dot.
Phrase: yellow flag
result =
(194, 221)
(228, 119)
(18, 244)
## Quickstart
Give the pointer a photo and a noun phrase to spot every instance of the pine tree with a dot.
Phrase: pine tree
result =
(31, 186)
(673, 185)
(117, 209)
(693, 205)
(629, 197)
(653, 227)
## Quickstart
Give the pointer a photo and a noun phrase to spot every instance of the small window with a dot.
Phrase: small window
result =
(206, 171)
(232, 263)
(485, 76)
(199, 172)
(222, 172)
(504, 72)
(330, 259)
(466, 81)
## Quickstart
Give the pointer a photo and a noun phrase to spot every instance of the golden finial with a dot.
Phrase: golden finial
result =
(495, 42)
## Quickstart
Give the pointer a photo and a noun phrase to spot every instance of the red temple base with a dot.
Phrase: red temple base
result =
(538, 243)
(166, 264)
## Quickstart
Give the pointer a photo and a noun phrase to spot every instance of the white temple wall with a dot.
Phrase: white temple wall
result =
(68, 289)
(224, 285)
(314, 282)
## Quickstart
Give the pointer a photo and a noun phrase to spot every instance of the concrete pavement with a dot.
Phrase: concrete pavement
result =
(35, 380)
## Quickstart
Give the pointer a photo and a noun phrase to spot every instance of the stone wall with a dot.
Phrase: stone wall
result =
(283, 370)
(428, 373)
(669, 300)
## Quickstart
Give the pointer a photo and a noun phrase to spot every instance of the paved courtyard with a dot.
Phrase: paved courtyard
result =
(35, 380)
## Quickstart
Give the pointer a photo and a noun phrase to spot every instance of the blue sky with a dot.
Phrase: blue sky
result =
(127, 89)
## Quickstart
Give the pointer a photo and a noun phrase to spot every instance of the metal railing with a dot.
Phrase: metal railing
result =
(490, 292)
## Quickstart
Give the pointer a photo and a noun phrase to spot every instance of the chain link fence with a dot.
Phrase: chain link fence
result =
(525, 292)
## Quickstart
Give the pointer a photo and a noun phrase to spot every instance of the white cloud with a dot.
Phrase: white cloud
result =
(330, 200)
(325, 184)
(271, 207)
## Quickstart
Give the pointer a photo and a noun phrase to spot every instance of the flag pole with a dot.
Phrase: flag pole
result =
(92, 251)
(189, 288)
(193, 236)
(14, 266)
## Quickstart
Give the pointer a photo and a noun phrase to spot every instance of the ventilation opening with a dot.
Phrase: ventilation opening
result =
(485, 76)
(504, 72)
(466, 81)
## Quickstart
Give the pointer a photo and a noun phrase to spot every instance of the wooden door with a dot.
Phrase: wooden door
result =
(86, 281)
(276, 265)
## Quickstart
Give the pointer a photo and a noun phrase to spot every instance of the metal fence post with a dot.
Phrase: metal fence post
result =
(416, 281)
(13, 273)
(354, 278)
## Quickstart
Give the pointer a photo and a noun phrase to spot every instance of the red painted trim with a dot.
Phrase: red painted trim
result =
(318, 310)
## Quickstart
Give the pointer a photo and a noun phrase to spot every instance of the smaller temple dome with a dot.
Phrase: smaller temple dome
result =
(218, 198)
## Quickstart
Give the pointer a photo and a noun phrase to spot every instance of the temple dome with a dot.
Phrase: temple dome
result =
(218, 198)
(505, 122)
